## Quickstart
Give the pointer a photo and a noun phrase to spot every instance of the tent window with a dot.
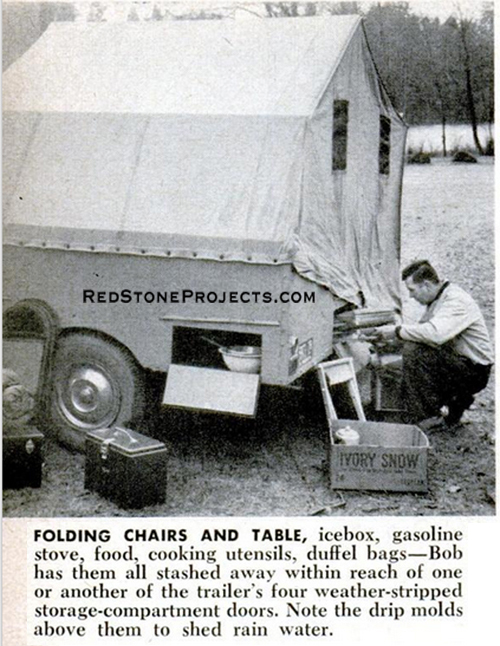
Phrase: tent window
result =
(384, 152)
(339, 144)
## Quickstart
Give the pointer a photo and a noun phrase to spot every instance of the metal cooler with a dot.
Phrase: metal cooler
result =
(126, 467)
(22, 457)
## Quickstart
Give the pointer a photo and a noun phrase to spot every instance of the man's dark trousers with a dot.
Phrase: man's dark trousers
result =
(435, 377)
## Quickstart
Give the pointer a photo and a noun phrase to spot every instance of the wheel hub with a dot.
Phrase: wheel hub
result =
(89, 398)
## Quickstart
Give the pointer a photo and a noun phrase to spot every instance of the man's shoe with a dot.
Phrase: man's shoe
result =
(454, 416)
(457, 409)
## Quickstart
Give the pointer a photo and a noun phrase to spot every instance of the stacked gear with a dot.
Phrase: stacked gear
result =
(18, 403)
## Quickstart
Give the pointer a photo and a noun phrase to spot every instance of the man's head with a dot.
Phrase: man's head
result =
(422, 281)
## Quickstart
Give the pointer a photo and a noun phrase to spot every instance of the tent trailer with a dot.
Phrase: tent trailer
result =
(174, 186)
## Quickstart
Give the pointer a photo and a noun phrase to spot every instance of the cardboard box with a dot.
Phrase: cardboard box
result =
(389, 457)
(22, 457)
(128, 468)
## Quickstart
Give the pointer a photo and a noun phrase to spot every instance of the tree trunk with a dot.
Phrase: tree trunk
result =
(471, 107)
(443, 132)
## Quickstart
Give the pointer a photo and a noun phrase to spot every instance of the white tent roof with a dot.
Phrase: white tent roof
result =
(210, 138)
(255, 67)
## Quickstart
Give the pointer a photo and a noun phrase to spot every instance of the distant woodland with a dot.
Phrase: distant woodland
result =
(434, 72)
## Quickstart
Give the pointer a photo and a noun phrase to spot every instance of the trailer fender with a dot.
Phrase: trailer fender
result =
(31, 321)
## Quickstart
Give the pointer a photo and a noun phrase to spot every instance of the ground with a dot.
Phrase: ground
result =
(276, 465)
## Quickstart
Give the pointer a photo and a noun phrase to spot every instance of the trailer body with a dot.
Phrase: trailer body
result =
(141, 321)
(210, 157)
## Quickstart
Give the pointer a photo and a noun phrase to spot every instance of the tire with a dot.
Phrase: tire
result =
(95, 384)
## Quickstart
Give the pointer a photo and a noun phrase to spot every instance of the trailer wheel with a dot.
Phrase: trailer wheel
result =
(94, 384)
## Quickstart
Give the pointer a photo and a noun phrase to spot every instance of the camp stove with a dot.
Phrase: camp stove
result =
(355, 327)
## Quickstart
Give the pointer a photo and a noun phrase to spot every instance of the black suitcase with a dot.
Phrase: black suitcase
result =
(126, 467)
(22, 457)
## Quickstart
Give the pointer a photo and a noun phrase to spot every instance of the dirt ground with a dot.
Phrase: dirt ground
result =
(276, 465)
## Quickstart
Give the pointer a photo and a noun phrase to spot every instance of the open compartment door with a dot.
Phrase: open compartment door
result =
(206, 389)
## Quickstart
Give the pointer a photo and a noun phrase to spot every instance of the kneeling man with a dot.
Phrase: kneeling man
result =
(447, 356)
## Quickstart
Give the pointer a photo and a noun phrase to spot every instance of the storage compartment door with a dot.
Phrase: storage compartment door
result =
(206, 389)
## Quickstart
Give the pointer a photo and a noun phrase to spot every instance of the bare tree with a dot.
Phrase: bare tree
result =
(465, 30)
(436, 76)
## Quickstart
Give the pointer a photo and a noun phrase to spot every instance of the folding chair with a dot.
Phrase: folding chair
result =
(332, 373)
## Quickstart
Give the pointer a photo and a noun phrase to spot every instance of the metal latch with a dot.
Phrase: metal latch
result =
(116, 436)
(29, 446)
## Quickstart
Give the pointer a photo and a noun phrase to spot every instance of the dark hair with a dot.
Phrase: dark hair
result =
(419, 271)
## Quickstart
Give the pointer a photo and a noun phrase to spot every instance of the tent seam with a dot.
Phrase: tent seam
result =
(341, 55)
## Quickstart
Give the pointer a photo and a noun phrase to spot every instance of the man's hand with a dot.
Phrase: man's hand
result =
(385, 333)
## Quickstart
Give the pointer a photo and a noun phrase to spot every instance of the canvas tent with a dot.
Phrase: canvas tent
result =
(209, 136)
